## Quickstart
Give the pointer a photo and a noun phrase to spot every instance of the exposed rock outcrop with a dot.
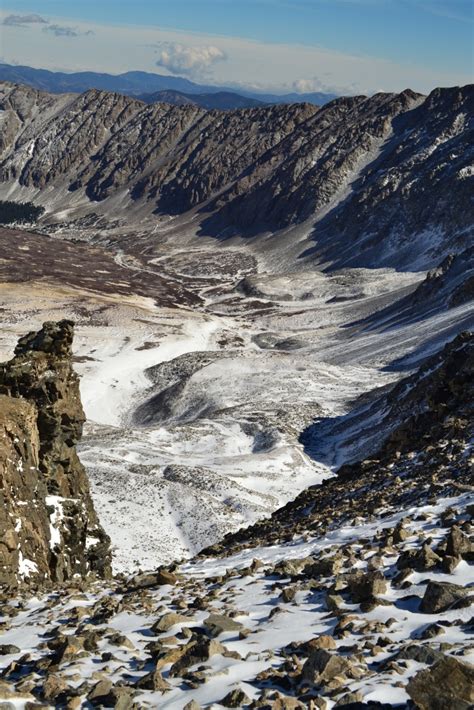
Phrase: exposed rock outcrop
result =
(49, 529)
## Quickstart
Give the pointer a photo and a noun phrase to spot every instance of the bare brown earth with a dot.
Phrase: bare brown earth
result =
(27, 257)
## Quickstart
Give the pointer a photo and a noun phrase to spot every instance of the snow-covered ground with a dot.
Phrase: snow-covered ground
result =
(195, 414)
(248, 588)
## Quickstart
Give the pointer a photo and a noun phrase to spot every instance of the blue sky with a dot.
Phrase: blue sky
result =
(351, 45)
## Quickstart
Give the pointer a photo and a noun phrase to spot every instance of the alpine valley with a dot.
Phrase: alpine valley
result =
(236, 402)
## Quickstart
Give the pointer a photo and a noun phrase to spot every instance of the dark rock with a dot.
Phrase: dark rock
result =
(235, 699)
(447, 685)
(440, 596)
(217, 624)
(364, 586)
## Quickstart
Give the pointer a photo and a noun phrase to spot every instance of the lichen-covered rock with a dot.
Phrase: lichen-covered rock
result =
(49, 531)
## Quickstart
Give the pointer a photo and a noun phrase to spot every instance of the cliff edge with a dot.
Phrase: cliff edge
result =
(49, 531)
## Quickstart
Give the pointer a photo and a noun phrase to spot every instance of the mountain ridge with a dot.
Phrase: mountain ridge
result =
(375, 171)
(136, 83)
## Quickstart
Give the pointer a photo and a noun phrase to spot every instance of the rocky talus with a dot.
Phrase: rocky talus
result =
(48, 526)
(428, 452)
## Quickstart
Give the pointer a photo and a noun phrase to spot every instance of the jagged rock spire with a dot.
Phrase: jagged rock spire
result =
(48, 526)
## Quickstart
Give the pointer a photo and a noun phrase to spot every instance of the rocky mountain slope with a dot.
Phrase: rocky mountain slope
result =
(358, 594)
(49, 529)
(384, 180)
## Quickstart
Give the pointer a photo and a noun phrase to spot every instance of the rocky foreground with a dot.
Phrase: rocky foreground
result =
(358, 594)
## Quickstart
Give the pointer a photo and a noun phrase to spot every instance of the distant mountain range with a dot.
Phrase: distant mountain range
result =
(221, 100)
(151, 88)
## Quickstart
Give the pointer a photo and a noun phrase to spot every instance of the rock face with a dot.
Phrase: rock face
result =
(381, 173)
(49, 529)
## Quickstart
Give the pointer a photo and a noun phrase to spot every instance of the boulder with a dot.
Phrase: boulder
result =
(440, 596)
(217, 624)
(447, 685)
(364, 586)
(322, 666)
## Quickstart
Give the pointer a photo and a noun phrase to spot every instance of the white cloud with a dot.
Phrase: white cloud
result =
(21, 20)
(189, 60)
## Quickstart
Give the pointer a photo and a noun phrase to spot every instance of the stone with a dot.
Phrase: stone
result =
(440, 596)
(217, 624)
(322, 666)
(447, 685)
(364, 586)
(167, 621)
(235, 699)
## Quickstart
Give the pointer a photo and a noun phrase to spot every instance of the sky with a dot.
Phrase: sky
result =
(337, 46)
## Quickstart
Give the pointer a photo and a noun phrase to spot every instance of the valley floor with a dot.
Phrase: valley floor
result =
(202, 369)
